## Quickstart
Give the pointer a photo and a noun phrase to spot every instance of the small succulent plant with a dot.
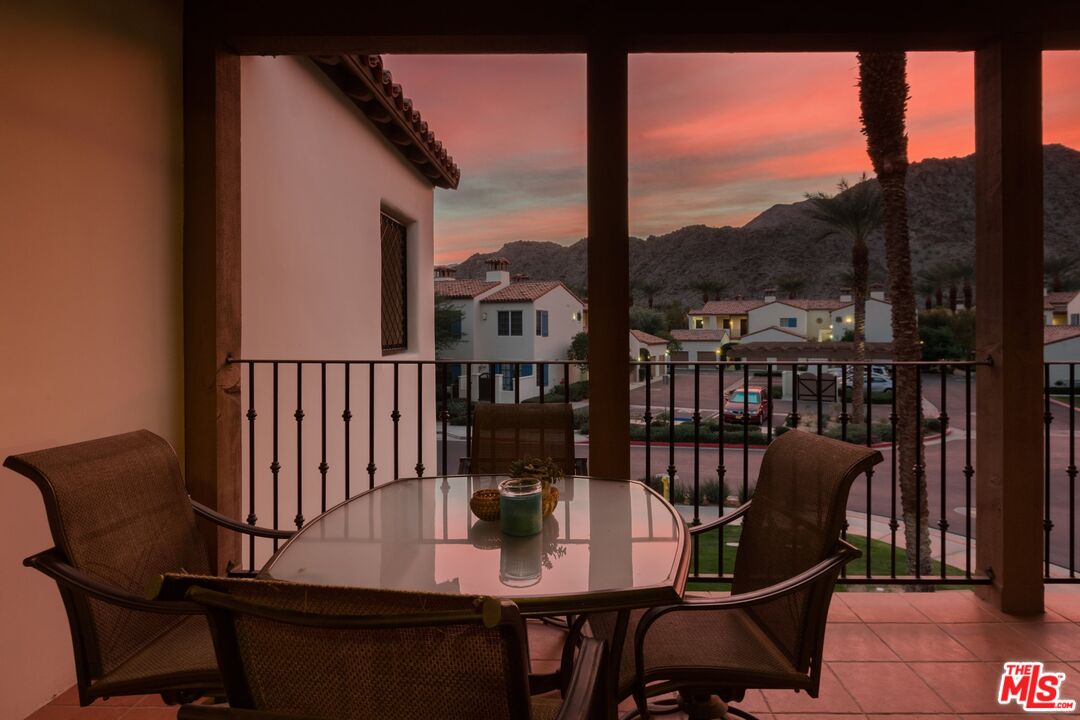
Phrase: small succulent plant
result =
(543, 468)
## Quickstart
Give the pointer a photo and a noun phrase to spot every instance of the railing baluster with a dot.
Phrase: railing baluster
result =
(768, 389)
(969, 471)
(697, 445)
(395, 418)
(844, 418)
(894, 461)
(444, 416)
(323, 467)
(868, 396)
(820, 414)
(517, 383)
(795, 396)
(299, 415)
(1071, 472)
(746, 430)
(346, 416)
(943, 420)
(275, 467)
(920, 471)
(1048, 417)
(721, 469)
(419, 419)
(540, 367)
(371, 426)
(252, 518)
(468, 410)
(648, 434)
(671, 424)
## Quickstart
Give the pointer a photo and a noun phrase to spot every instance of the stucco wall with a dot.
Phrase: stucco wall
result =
(769, 315)
(1061, 351)
(90, 299)
(315, 176)
(878, 321)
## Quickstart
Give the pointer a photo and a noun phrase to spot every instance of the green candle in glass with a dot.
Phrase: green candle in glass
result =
(521, 506)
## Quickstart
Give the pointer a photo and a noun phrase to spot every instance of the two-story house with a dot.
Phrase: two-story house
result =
(509, 330)
(1061, 308)
(729, 315)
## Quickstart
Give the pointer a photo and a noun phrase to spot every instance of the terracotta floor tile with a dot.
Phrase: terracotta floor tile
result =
(839, 612)
(69, 712)
(832, 698)
(152, 701)
(997, 641)
(884, 607)
(953, 606)
(545, 642)
(68, 697)
(754, 703)
(1062, 639)
(888, 688)
(916, 641)
(967, 687)
(1064, 602)
(151, 713)
(855, 641)
(819, 716)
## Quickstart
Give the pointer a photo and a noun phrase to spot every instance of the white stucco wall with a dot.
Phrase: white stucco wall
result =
(768, 315)
(1062, 350)
(770, 335)
(90, 276)
(315, 176)
(1073, 311)
(878, 321)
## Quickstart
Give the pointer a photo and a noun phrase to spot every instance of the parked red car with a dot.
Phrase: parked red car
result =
(754, 402)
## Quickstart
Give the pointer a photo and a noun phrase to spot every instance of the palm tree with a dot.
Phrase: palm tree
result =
(649, 288)
(854, 212)
(1058, 271)
(925, 286)
(964, 270)
(790, 285)
(931, 279)
(708, 288)
(883, 96)
(716, 288)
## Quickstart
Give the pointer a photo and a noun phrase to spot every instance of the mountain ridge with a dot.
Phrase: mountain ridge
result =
(773, 244)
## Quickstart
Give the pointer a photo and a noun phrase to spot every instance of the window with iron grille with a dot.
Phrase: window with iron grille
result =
(395, 286)
(509, 323)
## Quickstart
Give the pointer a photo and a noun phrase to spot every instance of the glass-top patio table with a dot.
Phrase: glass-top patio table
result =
(609, 545)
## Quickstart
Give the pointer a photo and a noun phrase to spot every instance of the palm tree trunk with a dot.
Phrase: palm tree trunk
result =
(953, 296)
(969, 293)
(860, 272)
(883, 92)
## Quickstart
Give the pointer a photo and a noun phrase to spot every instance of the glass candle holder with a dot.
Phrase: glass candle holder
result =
(520, 506)
(521, 560)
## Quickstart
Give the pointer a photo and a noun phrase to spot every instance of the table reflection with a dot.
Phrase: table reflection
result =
(420, 535)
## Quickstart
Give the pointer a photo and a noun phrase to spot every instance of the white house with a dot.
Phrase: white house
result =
(1061, 308)
(772, 334)
(508, 326)
(646, 347)
(808, 317)
(700, 345)
(1061, 342)
(730, 315)
(878, 320)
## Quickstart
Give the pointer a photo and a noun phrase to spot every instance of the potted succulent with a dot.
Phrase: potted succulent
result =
(547, 471)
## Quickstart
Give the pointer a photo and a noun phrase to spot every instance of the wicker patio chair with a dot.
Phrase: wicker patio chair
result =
(769, 633)
(289, 650)
(120, 516)
(504, 433)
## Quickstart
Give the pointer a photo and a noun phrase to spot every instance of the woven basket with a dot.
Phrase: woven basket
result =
(551, 499)
(485, 503)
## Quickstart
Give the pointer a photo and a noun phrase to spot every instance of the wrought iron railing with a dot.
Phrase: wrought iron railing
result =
(682, 442)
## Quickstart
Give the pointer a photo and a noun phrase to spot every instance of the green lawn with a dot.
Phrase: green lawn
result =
(707, 553)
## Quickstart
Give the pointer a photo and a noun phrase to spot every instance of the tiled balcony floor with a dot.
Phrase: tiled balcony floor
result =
(887, 655)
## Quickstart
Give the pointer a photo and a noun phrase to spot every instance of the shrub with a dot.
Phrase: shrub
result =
(557, 393)
(581, 420)
(776, 392)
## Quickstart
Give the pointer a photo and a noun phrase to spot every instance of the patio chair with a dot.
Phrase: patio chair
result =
(769, 633)
(504, 433)
(290, 650)
(120, 516)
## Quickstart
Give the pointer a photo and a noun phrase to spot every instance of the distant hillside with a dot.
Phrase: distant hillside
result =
(784, 240)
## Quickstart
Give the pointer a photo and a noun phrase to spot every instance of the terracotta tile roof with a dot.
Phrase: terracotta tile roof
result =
(1057, 333)
(704, 335)
(814, 303)
(372, 89)
(526, 291)
(1057, 298)
(728, 307)
(463, 288)
(773, 327)
(644, 337)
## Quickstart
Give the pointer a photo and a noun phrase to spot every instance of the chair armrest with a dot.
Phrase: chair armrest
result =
(224, 712)
(846, 553)
(218, 519)
(580, 698)
(51, 562)
(722, 520)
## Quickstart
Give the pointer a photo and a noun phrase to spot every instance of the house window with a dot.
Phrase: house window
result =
(727, 323)
(839, 318)
(743, 322)
(509, 322)
(542, 323)
(1074, 319)
(395, 316)
(789, 322)
(699, 323)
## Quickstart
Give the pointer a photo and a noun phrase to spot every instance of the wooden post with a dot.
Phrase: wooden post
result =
(212, 413)
(1008, 255)
(609, 262)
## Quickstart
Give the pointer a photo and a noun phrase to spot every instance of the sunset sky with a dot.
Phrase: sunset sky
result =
(714, 139)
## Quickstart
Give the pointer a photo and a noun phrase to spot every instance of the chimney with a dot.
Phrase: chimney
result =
(877, 292)
(770, 295)
(445, 272)
(845, 295)
(498, 270)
